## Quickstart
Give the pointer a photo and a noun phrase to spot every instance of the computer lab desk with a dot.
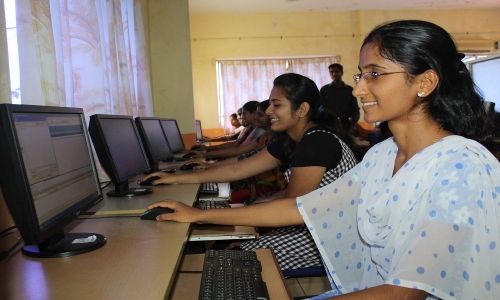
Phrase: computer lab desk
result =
(139, 261)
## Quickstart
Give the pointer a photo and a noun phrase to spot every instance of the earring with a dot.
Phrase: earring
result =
(420, 94)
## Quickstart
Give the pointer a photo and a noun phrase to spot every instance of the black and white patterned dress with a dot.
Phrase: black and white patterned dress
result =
(293, 245)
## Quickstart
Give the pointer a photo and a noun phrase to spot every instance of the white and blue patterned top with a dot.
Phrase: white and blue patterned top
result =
(433, 226)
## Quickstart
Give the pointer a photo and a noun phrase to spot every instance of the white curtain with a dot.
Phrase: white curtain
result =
(315, 68)
(89, 54)
(243, 80)
(4, 61)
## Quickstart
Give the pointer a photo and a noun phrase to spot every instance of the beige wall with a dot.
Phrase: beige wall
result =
(290, 34)
(167, 27)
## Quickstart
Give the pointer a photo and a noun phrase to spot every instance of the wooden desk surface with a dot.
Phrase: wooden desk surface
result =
(185, 193)
(139, 261)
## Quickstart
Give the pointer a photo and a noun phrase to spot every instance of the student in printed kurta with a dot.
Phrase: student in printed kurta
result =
(419, 217)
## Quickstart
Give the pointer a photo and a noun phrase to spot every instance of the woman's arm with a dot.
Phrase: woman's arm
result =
(304, 180)
(222, 138)
(233, 151)
(251, 166)
(224, 162)
(277, 213)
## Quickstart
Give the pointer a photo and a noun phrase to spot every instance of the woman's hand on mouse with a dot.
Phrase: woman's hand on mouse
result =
(164, 177)
(182, 213)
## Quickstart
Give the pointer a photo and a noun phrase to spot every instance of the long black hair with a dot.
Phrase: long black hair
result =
(419, 46)
(299, 89)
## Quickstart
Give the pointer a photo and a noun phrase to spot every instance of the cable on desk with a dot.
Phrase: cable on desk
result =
(6, 230)
(7, 253)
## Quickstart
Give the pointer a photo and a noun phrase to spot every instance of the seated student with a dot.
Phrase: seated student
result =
(310, 154)
(262, 120)
(248, 112)
(257, 140)
(235, 130)
(261, 186)
(235, 122)
(419, 217)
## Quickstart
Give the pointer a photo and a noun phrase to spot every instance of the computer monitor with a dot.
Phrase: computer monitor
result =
(48, 177)
(120, 152)
(485, 75)
(173, 134)
(154, 141)
(198, 131)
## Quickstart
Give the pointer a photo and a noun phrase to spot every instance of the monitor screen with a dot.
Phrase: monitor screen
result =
(198, 130)
(48, 176)
(485, 75)
(120, 151)
(173, 134)
(154, 141)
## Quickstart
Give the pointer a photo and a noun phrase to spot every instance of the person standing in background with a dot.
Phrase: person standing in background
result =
(337, 98)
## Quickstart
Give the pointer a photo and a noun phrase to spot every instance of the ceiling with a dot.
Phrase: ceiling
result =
(239, 6)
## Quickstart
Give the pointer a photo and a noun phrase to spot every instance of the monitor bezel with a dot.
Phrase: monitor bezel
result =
(111, 168)
(147, 143)
(15, 183)
(470, 67)
(178, 131)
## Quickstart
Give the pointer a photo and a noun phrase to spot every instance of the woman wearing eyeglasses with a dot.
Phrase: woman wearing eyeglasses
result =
(419, 217)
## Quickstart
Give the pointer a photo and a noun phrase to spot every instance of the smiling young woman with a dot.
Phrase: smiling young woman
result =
(310, 154)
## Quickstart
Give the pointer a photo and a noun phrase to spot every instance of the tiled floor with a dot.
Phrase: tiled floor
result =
(307, 286)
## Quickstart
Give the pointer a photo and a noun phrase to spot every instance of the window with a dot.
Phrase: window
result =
(242, 80)
(70, 53)
(10, 20)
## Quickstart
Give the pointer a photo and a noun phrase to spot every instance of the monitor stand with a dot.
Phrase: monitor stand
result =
(63, 245)
(122, 190)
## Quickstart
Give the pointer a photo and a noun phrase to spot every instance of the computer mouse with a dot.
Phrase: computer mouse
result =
(152, 213)
(149, 181)
(188, 166)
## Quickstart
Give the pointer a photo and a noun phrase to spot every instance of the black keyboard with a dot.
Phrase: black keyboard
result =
(210, 204)
(209, 188)
(232, 274)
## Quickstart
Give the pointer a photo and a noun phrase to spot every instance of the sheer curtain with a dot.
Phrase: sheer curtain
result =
(315, 68)
(89, 54)
(4, 61)
(242, 80)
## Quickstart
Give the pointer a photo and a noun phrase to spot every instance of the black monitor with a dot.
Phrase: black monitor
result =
(120, 152)
(198, 131)
(48, 177)
(173, 134)
(484, 71)
(154, 141)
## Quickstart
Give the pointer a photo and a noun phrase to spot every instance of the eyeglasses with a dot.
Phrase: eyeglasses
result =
(371, 76)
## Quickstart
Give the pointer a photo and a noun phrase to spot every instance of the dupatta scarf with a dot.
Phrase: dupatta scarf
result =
(433, 225)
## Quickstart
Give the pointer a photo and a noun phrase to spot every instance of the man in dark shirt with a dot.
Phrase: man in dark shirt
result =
(337, 98)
